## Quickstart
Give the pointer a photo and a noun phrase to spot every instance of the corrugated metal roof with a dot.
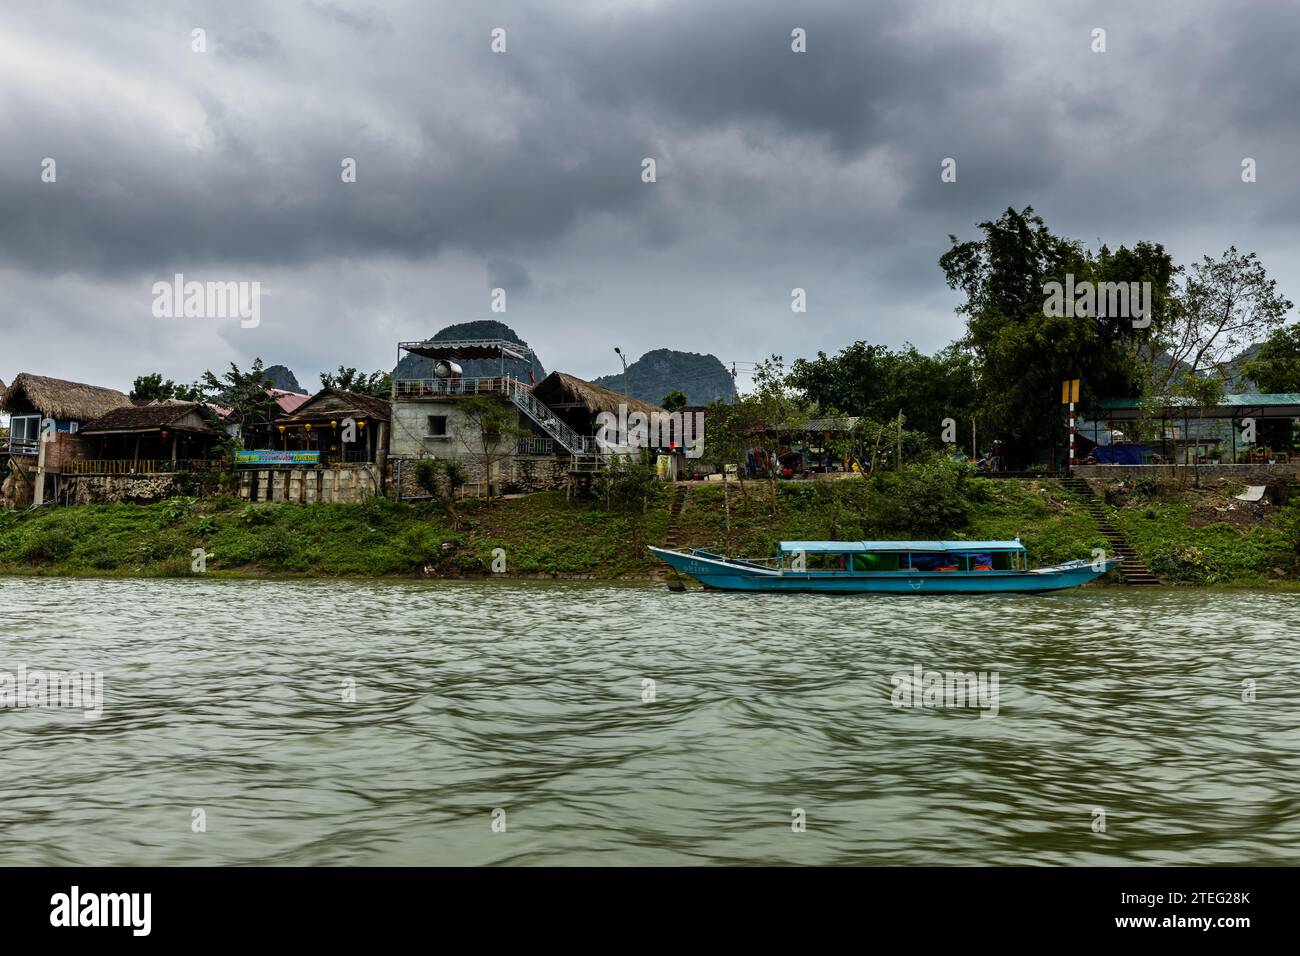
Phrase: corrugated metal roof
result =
(1241, 398)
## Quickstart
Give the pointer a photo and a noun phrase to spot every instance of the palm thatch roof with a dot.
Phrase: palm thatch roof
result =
(177, 416)
(558, 390)
(60, 399)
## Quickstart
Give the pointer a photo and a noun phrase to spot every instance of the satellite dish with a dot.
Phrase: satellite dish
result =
(447, 370)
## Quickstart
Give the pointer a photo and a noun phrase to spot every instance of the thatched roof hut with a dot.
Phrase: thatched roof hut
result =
(560, 391)
(59, 399)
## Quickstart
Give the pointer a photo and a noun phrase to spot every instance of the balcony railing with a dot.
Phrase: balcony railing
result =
(536, 446)
(24, 446)
(144, 466)
(451, 387)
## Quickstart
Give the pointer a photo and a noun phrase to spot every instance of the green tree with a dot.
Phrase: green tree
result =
(153, 387)
(874, 382)
(1024, 351)
(674, 401)
(245, 394)
(378, 384)
(1225, 305)
(1275, 367)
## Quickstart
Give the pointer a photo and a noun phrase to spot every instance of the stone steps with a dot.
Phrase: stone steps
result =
(673, 534)
(1132, 570)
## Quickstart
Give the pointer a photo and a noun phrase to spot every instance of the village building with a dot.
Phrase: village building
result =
(536, 437)
(331, 446)
(45, 420)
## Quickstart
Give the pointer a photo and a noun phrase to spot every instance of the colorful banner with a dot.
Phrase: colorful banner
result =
(269, 456)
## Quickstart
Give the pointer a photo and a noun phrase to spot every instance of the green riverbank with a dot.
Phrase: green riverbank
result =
(1187, 537)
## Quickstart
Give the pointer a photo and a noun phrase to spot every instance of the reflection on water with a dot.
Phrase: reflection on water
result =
(230, 698)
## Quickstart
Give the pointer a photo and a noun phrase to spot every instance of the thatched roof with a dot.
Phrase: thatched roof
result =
(59, 399)
(141, 418)
(339, 403)
(558, 389)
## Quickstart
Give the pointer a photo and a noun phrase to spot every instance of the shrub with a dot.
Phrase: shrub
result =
(46, 544)
(174, 509)
(426, 475)
(932, 498)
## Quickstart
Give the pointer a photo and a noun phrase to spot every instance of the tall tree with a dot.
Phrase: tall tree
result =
(1023, 348)
(378, 384)
(245, 393)
(1225, 306)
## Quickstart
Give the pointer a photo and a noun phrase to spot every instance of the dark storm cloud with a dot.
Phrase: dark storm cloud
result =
(523, 170)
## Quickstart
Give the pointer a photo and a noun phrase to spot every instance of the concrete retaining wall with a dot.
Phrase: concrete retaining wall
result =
(350, 484)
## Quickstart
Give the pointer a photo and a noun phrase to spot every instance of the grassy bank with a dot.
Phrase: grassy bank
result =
(1176, 532)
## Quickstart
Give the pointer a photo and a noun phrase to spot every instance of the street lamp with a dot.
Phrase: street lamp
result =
(622, 358)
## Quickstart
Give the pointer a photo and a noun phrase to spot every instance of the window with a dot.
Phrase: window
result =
(24, 434)
(437, 426)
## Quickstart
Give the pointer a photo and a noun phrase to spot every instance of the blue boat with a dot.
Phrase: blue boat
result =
(886, 567)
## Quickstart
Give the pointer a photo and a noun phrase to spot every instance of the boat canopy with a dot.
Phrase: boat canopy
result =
(899, 547)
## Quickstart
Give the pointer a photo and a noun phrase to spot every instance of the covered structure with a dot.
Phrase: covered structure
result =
(148, 439)
(447, 352)
(343, 426)
(1188, 432)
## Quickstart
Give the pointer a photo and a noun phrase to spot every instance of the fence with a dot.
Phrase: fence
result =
(131, 466)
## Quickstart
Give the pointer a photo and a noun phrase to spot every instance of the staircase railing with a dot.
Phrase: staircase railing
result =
(549, 422)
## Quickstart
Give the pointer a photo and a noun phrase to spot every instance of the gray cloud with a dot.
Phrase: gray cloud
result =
(775, 170)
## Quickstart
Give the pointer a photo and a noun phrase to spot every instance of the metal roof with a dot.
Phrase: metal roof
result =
(467, 348)
(1259, 404)
(915, 547)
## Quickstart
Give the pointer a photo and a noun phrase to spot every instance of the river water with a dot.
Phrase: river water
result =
(501, 722)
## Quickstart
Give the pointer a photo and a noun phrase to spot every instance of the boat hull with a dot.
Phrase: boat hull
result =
(723, 575)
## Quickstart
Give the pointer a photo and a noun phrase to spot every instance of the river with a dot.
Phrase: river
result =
(274, 722)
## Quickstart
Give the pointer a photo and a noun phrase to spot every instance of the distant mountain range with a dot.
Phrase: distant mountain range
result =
(703, 378)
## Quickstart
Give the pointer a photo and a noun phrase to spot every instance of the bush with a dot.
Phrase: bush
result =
(1189, 565)
(426, 475)
(46, 544)
(174, 509)
(627, 482)
(926, 499)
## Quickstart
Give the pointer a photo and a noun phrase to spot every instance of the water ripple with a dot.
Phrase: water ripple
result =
(234, 698)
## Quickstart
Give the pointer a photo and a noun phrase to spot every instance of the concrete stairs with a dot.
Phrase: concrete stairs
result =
(1132, 571)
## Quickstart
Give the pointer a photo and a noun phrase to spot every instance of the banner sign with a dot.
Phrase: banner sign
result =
(269, 456)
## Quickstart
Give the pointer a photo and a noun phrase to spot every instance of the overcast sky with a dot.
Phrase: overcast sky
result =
(523, 169)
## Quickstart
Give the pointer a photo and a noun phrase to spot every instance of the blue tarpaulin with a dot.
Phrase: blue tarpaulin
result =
(1121, 454)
